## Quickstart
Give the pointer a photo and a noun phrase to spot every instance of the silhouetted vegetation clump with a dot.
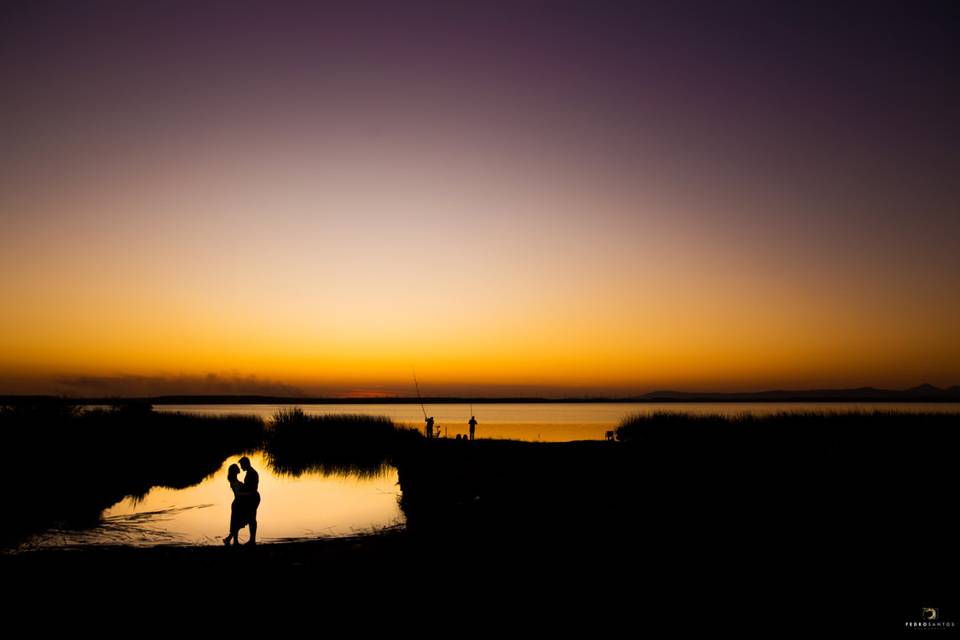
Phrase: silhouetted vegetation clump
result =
(336, 444)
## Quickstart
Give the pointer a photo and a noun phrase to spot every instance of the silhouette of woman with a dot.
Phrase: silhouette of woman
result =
(240, 513)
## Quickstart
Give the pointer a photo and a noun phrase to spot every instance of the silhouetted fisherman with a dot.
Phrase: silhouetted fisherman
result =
(473, 426)
(430, 427)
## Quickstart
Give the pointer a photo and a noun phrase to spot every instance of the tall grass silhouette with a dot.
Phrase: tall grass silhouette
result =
(335, 444)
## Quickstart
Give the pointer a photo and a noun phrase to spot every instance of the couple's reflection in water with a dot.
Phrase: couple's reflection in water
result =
(246, 500)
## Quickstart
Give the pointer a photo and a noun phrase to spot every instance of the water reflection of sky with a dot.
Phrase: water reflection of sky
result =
(307, 506)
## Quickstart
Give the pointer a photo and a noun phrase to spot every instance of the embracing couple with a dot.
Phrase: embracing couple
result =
(246, 499)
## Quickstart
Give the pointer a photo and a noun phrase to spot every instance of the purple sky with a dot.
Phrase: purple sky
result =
(564, 166)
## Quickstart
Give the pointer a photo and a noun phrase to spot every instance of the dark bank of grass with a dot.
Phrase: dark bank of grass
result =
(843, 470)
(871, 459)
(832, 427)
(864, 496)
(792, 494)
(866, 449)
(336, 444)
(69, 464)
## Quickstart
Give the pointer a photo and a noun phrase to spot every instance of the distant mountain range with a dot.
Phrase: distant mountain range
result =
(921, 393)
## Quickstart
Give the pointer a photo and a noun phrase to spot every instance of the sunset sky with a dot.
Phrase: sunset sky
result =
(553, 198)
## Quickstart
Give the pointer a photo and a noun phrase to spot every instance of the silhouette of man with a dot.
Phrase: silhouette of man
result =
(430, 427)
(473, 425)
(251, 485)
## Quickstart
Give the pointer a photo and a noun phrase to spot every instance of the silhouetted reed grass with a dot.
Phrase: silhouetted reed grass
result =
(336, 444)
(837, 477)
(816, 431)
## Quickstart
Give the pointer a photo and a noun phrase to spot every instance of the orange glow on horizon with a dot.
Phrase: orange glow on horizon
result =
(482, 268)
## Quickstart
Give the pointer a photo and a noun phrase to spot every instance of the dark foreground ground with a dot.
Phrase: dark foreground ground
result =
(757, 526)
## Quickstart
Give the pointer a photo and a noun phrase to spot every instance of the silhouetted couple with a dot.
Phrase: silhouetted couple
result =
(246, 499)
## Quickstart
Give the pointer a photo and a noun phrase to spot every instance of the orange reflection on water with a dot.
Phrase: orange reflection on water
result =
(308, 506)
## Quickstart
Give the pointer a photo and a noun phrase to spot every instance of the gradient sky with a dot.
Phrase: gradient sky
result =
(551, 198)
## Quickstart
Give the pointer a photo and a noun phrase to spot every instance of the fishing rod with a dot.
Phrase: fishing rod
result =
(417, 385)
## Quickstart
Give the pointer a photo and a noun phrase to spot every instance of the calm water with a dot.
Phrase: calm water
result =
(551, 422)
(308, 506)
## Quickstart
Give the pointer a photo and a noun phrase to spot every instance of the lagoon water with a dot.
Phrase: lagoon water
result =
(308, 506)
(551, 422)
